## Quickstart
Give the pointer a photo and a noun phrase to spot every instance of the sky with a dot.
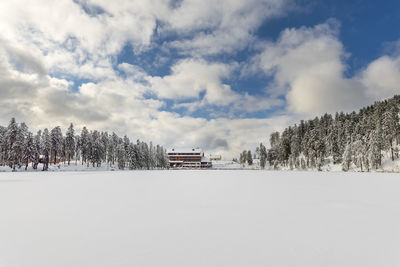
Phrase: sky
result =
(219, 75)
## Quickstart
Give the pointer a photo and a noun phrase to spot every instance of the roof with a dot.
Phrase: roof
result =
(193, 150)
(204, 159)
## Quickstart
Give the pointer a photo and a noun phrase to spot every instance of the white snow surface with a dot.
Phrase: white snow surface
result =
(199, 218)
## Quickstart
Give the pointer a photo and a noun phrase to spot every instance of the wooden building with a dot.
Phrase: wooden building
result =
(193, 158)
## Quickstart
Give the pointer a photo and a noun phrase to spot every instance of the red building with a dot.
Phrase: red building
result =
(193, 158)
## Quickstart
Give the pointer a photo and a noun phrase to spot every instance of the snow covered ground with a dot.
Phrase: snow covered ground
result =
(199, 218)
(387, 166)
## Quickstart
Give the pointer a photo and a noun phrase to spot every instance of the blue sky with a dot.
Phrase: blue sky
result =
(366, 25)
(225, 73)
(366, 29)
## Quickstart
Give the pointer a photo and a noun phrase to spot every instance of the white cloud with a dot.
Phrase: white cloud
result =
(382, 77)
(45, 47)
(118, 105)
(221, 27)
(81, 38)
(225, 136)
(190, 78)
(308, 67)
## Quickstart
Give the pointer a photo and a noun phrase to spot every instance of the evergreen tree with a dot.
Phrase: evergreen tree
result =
(249, 158)
(84, 144)
(263, 156)
(132, 156)
(18, 147)
(37, 149)
(390, 128)
(3, 145)
(28, 149)
(243, 157)
(359, 154)
(121, 156)
(57, 141)
(361, 138)
(347, 157)
(97, 149)
(14, 145)
(70, 143)
(78, 147)
(46, 149)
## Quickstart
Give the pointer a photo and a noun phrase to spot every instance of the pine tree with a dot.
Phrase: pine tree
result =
(359, 153)
(272, 156)
(121, 156)
(97, 149)
(14, 145)
(390, 127)
(104, 140)
(89, 148)
(374, 148)
(249, 158)
(70, 143)
(347, 157)
(37, 149)
(140, 158)
(78, 147)
(263, 156)
(46, 149)
(84, 144)
(295, 145)
(243, 157)
(146, 155)
(371, 131)
(56, 143)
(18, 147)
(132, 157)
(3, 145)
(28, 149)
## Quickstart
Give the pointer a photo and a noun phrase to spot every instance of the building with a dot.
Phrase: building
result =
(215, 157)
(193, 158)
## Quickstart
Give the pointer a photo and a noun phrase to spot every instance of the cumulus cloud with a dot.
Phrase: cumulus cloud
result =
(225, 136)
(47, 48)
(58, 64)
(118, 104)
(308, 66)
(190, 78)
(220, 27)
(382, 77)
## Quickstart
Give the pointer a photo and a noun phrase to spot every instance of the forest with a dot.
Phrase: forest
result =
(19, 147)
(360, 139)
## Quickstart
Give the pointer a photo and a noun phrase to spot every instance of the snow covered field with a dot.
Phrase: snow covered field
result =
(199, 218)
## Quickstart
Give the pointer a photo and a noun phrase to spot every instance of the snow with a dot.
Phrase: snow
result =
(199, 218)
(61, 167)
(226, 164)
(193, 150)
(387, 166)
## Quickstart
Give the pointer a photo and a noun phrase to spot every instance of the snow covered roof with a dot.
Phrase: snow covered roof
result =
(193, 150)
(204, 159)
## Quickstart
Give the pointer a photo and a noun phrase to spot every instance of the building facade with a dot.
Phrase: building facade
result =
(215, 157)
(193, 158)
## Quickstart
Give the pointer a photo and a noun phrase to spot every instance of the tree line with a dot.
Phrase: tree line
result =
(19, 147)
(361, 139)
